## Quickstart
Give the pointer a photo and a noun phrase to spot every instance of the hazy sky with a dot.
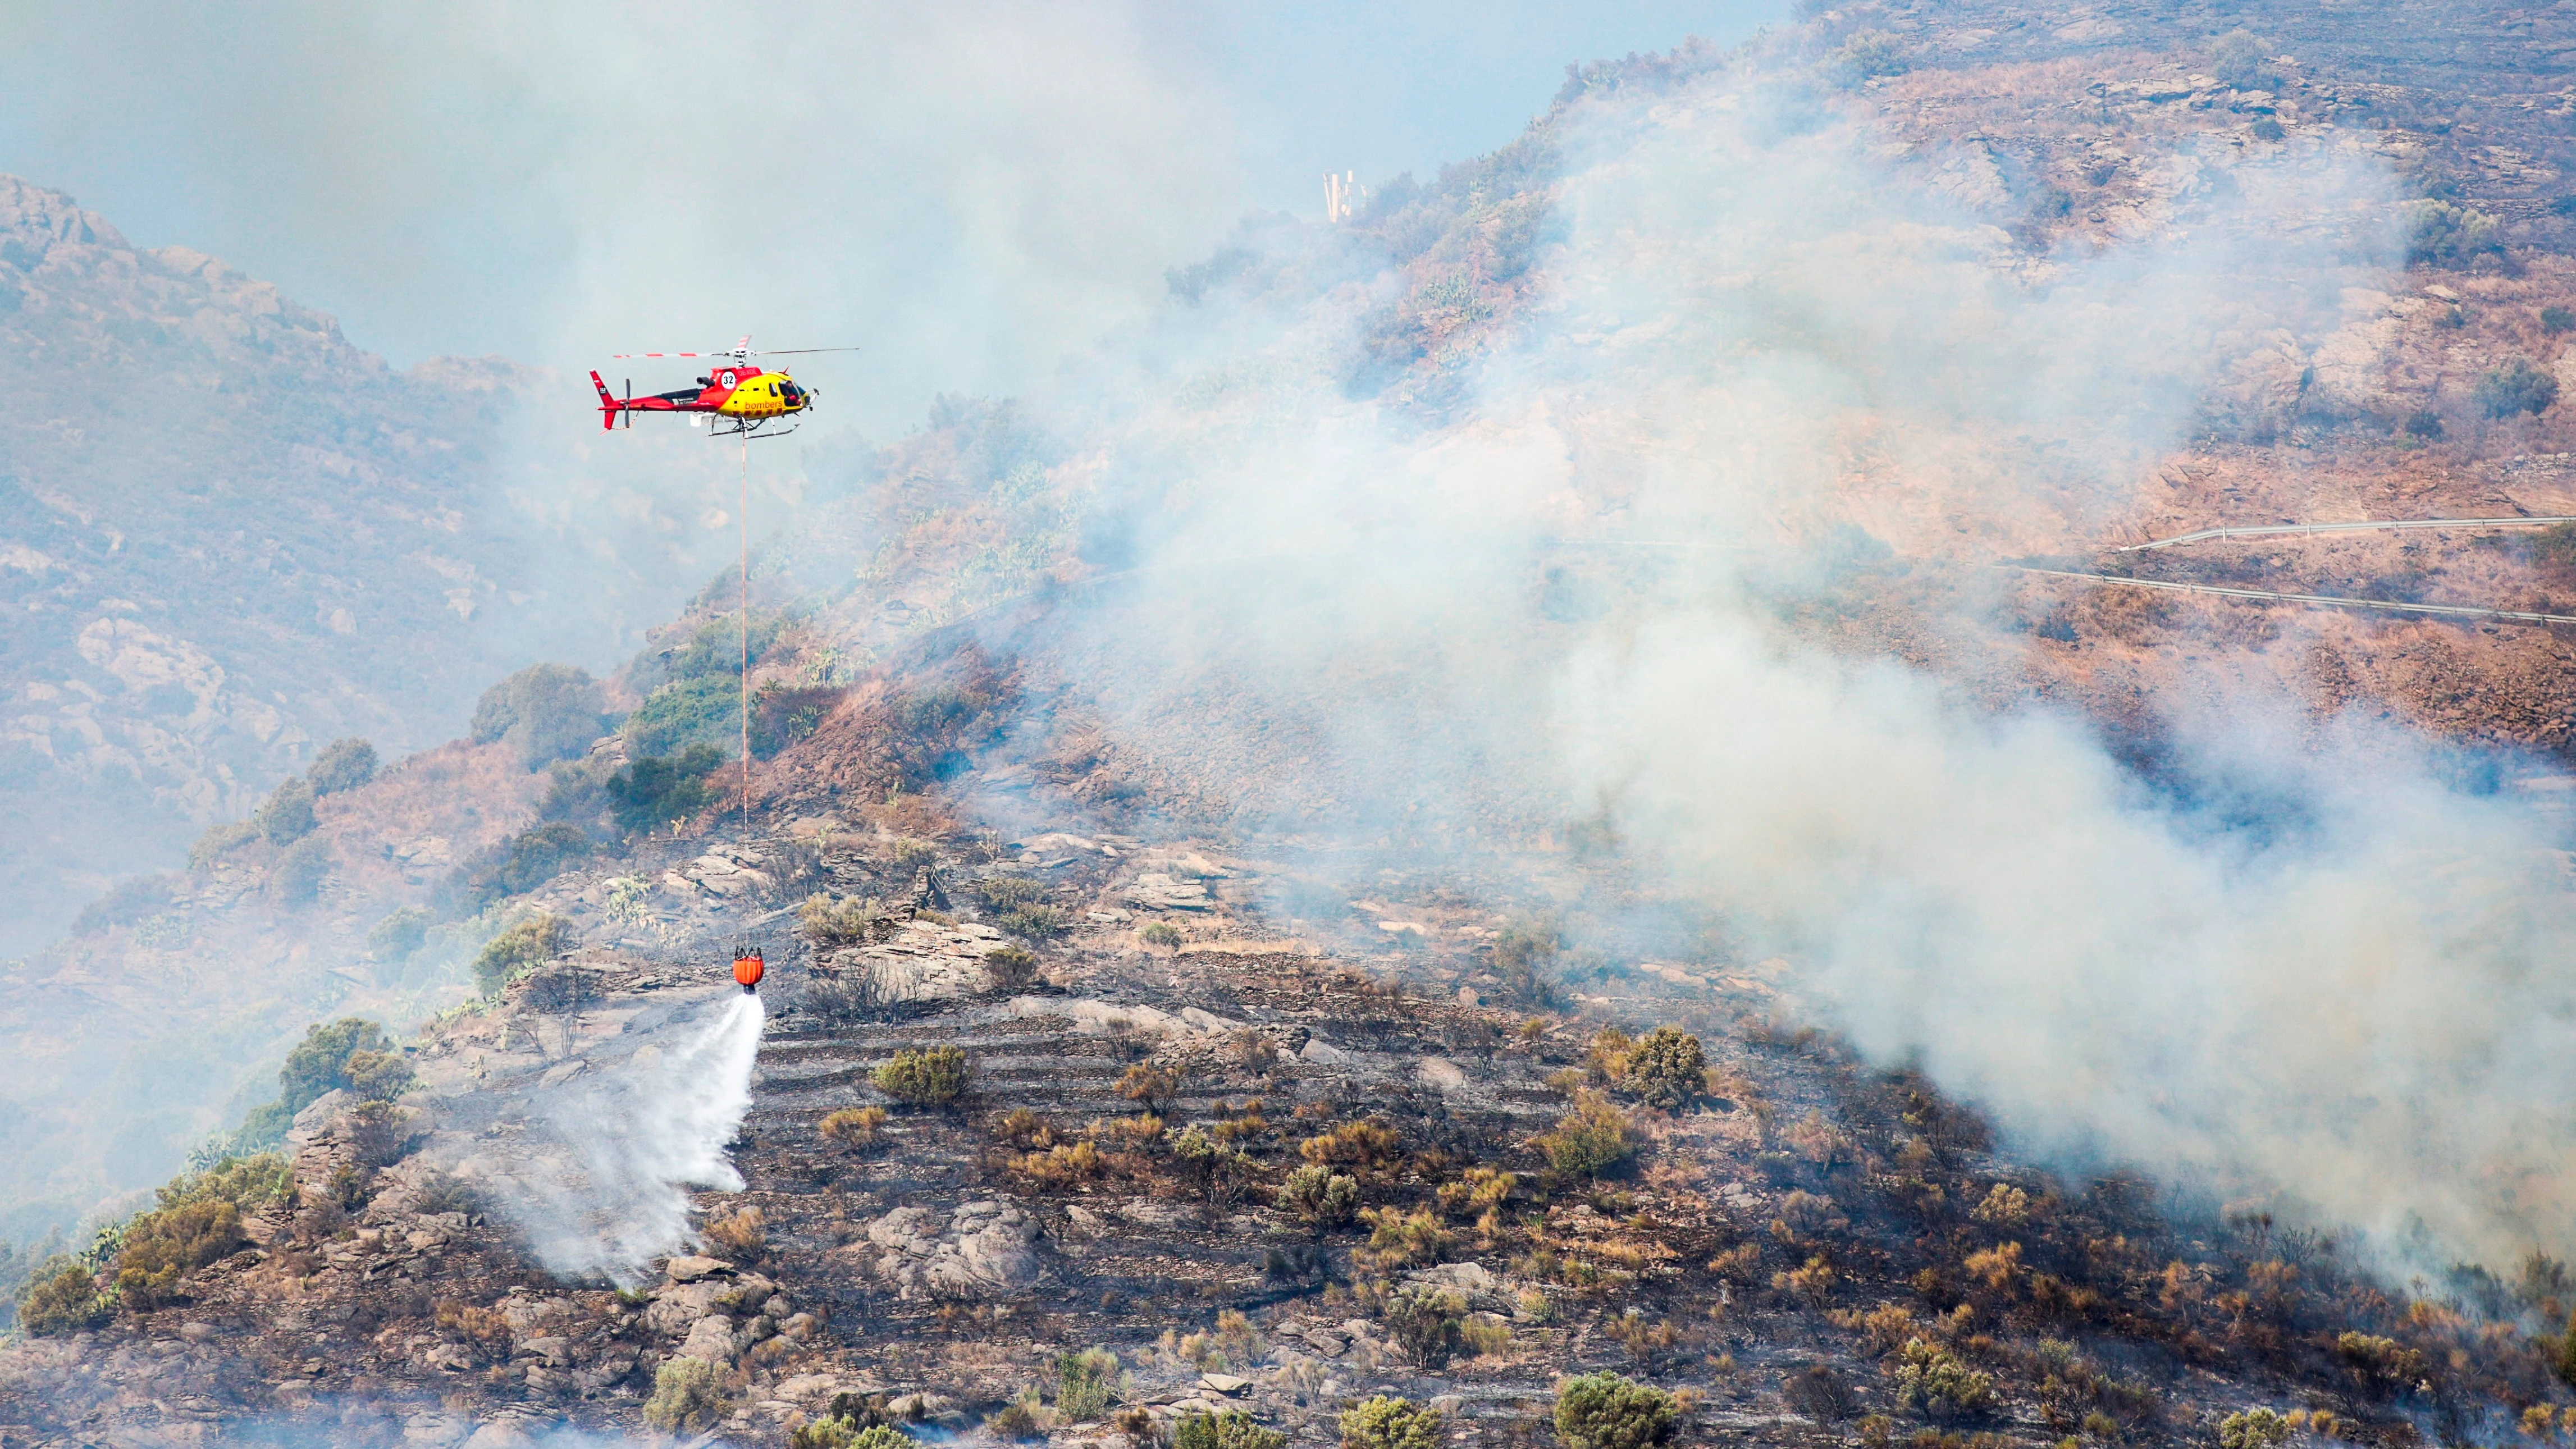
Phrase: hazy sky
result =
(967, 190)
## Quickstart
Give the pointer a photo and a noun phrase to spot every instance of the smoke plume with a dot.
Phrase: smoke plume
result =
(1781, 371)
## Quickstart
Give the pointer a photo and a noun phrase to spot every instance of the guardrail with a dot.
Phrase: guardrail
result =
(2390, 606)
(2257, 531)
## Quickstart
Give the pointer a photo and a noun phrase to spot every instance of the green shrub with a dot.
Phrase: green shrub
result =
(781, 715)
(300, 871)
(288, 815)
(1319, 1196)
(2448, 236)
(1872, 53)
(1229, 1429)
(1001, 892)
(544, 712)
(688, 1396)
(1523, 951)
(929, 1076)
(1608, 1411)
(1013, 968)
(61, 1296)
(828, 922)
(1927, 1375)
(320, 1064)
(853, 1126)
(716, 647)
(220, 841)
(1214, 1168)
(1085, 1383)
(2236, 58)
(1428, 1324)
(2516, 387)
(1398, 1239)
(345, 765)
(1035, 921)
(2268, 129)
(1387, 1423)
(163, 1247)
(834, 1433)
(378, 1076)
(1160, 933)
(1593, 1139)
(657, 789)
(1667, 1067)
(908, 851)
(2557, 319)
(503, 958)
(520, 864)
(250, 1184)
(2253, 1429)
(399, 935)
(127, 902)
(852, 1421)
(685, 714)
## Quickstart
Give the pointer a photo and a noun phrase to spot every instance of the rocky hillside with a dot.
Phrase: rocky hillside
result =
(231, 537)
(1251, 869)
(1270, 1175)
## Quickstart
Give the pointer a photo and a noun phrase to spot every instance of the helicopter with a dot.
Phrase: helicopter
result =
(736, 397)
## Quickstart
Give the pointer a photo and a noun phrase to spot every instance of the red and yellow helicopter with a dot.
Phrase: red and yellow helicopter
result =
(735, 396)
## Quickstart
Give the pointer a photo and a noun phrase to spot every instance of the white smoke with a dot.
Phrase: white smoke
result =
(603, 1190)
(2319, 972)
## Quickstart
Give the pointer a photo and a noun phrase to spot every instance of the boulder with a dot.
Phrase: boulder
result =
(985, 1249)
(690, 1268)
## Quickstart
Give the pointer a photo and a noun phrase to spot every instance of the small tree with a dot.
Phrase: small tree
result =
(1609, 1411)
(301, 870)
(2516, 387)
(544, 712)
(399, 935)
(288, 815)
(661, 788)
(1389, 1423)
(346, 765)
(61, 1297)
(930, 1076)
(507, 955)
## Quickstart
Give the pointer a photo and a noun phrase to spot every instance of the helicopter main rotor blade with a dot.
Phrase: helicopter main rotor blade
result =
(795, 351)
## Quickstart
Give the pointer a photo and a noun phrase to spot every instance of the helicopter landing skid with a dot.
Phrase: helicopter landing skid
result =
(751, 428)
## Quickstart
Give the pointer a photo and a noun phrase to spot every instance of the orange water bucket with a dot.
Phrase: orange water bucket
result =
(748, 967)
